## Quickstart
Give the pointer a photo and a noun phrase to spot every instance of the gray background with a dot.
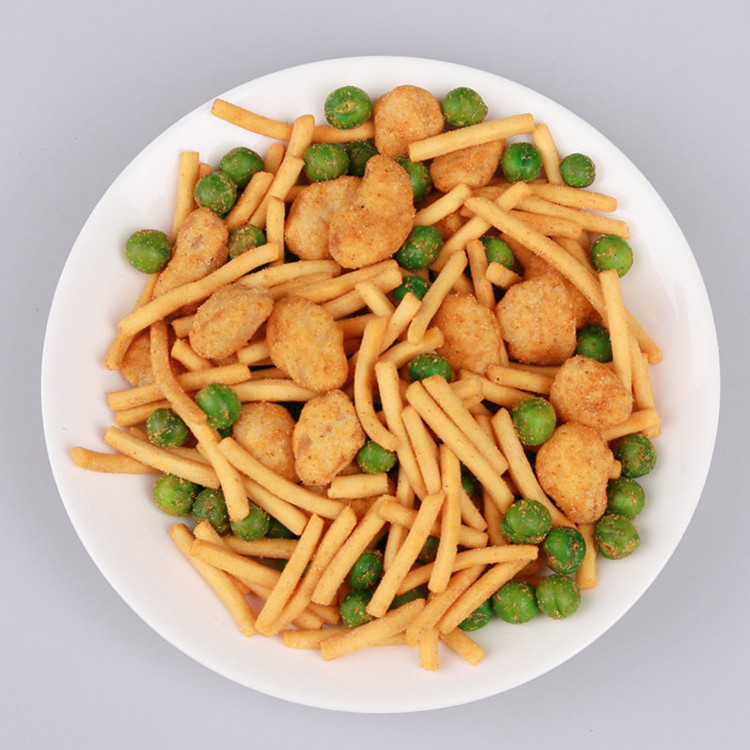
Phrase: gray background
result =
(86, 85)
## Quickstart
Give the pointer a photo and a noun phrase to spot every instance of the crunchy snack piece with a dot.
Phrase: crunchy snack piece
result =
(472, 338)
(573, 467)
(226, 321)
(377, 222)
(403, 115)
(326, 438)
(310, 215)
(304, 341)
(136, 362)
(589, 392)
(474, 166)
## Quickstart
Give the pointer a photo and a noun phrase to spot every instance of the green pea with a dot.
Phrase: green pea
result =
(534, 419)
(419, 177)
(221, 404)
(366, 571)
(515, 602)
(414, 284)
(616, 536)
(174, 495)
(253, 526)
(498, 251)
(429, 550)
(374, 459)
(211, 506)
(526, 522)
(277, 530)
(593, 341)
(148, 250)
(425, 365)
(469, 482)
(521, 162)
(245, 238)
(420, 592)
(480, 617)
(359, 153)
(558, 596)
(353, 608)
(166, 428)
(463, 106)
(625, 497)
(347, 107)
(577, 170)
(610, 251)
(216, 192)
(240, 164)
(564, 548)
(325, 161)
(637, 455)
(421, 249)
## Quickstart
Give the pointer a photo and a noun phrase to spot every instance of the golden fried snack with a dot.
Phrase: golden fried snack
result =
(136, 362)
(304, 341)
(403, 115)
(589, 392)
(200, 247)
(310, 215)
(474, 166)
(472, 337)
(326, 438)
(265, 430)
(226, 321)
(573, 468)
(378, 221)
(538, 322)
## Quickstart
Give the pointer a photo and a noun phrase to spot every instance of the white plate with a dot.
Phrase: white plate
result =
(127, 538)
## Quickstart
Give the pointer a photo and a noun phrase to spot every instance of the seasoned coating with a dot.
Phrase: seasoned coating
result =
(306, 230)
(474, 166)
(573, 467)
(403, 115)
(378, 221)
(265, 430)
(305, 342)
(200, 247)
(326, 438)
(226, 321)
(136, 364)
(472, 334)
(589, 392)
(538, 322)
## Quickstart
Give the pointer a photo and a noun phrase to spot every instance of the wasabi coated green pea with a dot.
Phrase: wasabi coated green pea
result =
(353, 608)
(498, 251)
(174, 495)
(253, 526)
(419, 176)
(637, 455)
(429, 550)
(277, 530)
(616, 536)
(593, 341)
(425, 365)
(166, 428)
(610, 251)
(325, 161)
(469, 482)
(558, 596)
(526, 522)
(480, 617)
(240, 164)
(577, 170)
(216, 192)
(414, 284)
(534, 419)
(359, 153)
(211, 506)
(347, 107)
(148, 250)
(421, 249)
(521, 162)
(564, 548)
(245, 238)
(515, 602)
(409, 596)
(463, 106)
(374, 459)
(221, 404)
(625, 497)
(366, 571)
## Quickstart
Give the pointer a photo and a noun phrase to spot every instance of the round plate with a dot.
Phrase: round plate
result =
(127, 537)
